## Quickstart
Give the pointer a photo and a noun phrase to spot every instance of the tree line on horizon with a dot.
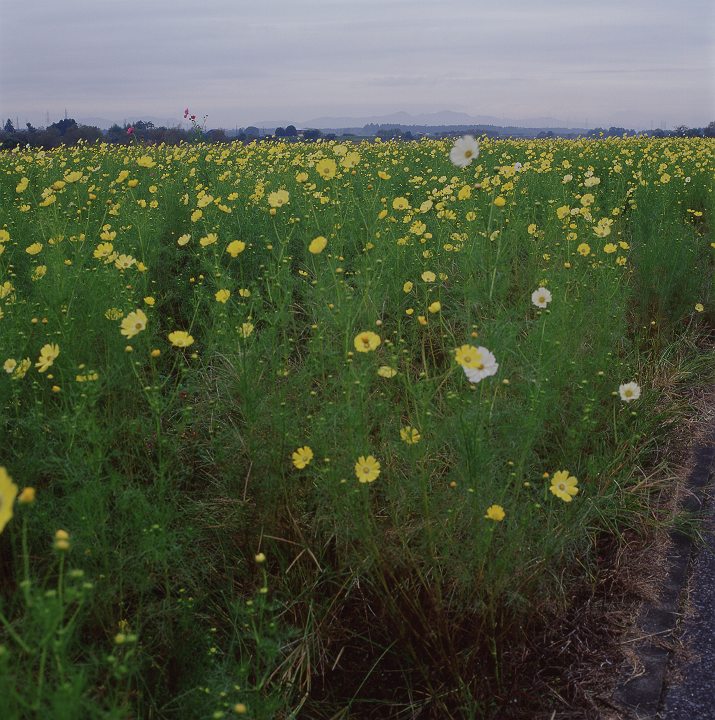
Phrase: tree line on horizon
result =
(69, 132)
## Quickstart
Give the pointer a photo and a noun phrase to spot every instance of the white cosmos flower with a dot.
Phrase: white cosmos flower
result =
(517, 166)
(465, 150)
(541, 297)
(629, 391)
(488, 366)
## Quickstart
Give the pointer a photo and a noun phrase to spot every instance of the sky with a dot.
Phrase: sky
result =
(631, 63)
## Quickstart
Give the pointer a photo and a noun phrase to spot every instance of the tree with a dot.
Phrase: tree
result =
(9, 127)
(291, 131)
(63, 125)
(216, 135)
(709, 131)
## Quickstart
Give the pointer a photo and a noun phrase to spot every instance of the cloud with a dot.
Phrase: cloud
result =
(238, 60)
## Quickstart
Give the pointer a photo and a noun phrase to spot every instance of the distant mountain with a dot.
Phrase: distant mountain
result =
(445, 117)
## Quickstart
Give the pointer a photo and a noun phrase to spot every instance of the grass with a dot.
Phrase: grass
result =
(207, 574)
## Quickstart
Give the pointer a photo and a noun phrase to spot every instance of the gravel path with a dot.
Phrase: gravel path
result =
(689, 692)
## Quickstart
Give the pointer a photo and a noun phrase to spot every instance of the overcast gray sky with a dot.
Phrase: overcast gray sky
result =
(615, 62)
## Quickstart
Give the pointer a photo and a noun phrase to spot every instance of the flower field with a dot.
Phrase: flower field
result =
(302, 429)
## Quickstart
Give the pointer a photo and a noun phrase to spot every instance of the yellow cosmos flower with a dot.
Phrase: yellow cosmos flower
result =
(410, 435)
(302, 457)
(564, 486)
(407, 287)
(34, 248)
(8, 493)
(367, 469)
(124, 262)
(326, 168)
(39, 272)
(197, 215)
(366, 341)
(235, 248)
(609, 248)
(496, 513)
(278, 198)
(22, 185)
(435, 307)
(21, 370)
(73, 177)
(699, 307)
(180, 338)
(145, 161)
(246, 329)
(133, 323)
(317, 245)
(149, 300)
(583, 249)
(386, 371)
(183, 240)
(222, 295)
(499, 201)
(400, 203)
(103, 250)
(48, 354)
(209, 239)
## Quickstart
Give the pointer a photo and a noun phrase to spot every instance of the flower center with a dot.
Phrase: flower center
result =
(468, 153)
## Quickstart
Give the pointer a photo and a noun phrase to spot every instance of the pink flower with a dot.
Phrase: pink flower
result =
(186, 113)
(130, 131)
(192, 118)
